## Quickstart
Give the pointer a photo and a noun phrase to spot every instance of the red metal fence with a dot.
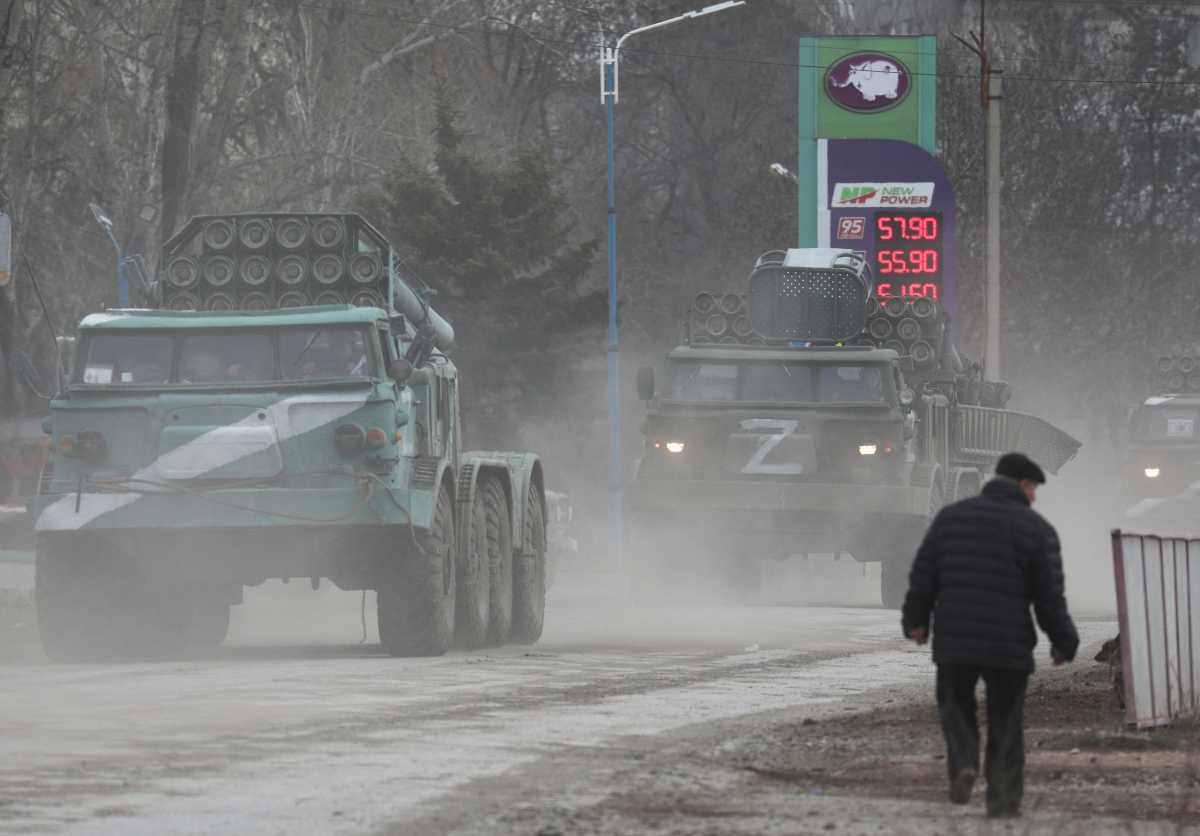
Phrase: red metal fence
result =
(1158, 603)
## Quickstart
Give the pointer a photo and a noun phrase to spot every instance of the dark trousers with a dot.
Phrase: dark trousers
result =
(1004, 764)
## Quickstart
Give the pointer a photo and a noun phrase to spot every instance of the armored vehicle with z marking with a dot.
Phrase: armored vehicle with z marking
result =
(806, 417)
(1162, 458)
(250, 424)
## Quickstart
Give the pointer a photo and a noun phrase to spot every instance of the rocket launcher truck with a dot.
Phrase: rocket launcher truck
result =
(284, 406)
(807, 416)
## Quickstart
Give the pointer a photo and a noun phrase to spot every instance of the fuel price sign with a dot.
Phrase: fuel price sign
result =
(892, 202)
(908, 253)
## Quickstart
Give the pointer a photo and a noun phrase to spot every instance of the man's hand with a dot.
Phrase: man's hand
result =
(1058, 658)
(919, 634)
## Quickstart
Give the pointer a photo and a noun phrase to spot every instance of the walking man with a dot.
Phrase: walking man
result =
(983, 561)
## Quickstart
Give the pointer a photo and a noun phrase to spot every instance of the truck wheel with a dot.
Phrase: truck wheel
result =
(500, 560)
(209, 624)
(529, 575)
(416, 590)
(647, 584)
(473, 575)
(92, 608)
(893, 583)
(70, 616)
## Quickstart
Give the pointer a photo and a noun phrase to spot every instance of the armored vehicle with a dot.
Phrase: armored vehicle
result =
(806, 417)
(251, 424)
(1163, 453)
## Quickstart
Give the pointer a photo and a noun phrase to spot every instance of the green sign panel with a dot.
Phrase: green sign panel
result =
(862, 88)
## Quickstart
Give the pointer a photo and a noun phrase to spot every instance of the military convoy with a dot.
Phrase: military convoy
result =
(808, 416)
(282, 407)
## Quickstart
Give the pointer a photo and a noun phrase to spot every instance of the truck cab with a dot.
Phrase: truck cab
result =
(1163, 457)
(751, 413)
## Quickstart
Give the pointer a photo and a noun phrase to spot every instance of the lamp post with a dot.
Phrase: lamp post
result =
(609, 95)
(107, 225)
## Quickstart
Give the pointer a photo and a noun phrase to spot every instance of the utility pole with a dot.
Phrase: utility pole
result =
(991, 92)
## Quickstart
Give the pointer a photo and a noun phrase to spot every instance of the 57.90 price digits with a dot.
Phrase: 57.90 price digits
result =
(907, 227)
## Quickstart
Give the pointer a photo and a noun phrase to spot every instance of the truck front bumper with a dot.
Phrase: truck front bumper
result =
(823, 498)
(228, 509)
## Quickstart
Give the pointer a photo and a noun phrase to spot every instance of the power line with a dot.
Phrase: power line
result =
(1101, 3)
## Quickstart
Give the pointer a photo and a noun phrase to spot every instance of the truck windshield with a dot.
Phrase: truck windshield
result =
(777, 382)
(218, 357)
(128, 358)
(1166, 424)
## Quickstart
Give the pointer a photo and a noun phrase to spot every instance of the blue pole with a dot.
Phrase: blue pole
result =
(615, 475)
(122, 281)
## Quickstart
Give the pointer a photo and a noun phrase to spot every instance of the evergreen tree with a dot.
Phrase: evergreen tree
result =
(497, 240)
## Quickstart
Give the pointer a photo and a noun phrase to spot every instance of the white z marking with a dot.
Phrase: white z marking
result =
(767, 443)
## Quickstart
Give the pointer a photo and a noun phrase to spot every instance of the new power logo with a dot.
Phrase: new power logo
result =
(915, 195)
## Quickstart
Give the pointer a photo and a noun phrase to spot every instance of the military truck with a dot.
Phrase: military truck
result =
(806, 416)
(283, 407)
(1163, 445)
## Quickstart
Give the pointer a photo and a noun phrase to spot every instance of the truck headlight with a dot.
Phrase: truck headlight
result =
(868, 449)
(675, 446)
(1152, 472)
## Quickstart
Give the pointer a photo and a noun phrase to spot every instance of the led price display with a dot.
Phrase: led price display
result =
(908, 254)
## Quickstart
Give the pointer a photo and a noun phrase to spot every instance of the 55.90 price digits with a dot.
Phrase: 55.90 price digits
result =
(907, 261)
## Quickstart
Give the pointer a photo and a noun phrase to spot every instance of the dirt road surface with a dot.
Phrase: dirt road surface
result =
(619, 721)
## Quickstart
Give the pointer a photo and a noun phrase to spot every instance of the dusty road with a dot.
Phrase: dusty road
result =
(331, 737)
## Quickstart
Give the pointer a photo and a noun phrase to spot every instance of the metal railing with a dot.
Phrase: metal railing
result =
(984, 434)
(1158, 606)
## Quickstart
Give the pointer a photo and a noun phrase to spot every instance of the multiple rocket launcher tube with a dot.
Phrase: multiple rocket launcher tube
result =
(264, 261)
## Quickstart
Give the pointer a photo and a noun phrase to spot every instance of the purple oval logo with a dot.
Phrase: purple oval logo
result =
(867, 82)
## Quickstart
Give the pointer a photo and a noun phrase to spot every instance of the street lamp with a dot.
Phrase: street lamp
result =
(609, 94)
(107, 225)
(783, 171)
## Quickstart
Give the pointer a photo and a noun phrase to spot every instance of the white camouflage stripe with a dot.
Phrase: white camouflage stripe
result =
(62, 515)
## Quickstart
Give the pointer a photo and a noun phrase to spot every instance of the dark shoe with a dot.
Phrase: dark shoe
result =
(1004, 812)
(961, 786)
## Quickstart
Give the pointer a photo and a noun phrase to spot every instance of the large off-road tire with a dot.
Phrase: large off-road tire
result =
(529, 574)
(743, 580)
(7, 484)
(893, 582)
(91, 607)
(893, 576)
(209, 624)
(417, 589)
(473, 575)
(499, 559)
(70, 603)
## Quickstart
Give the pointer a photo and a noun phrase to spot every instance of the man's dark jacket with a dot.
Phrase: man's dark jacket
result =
(982, 563)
